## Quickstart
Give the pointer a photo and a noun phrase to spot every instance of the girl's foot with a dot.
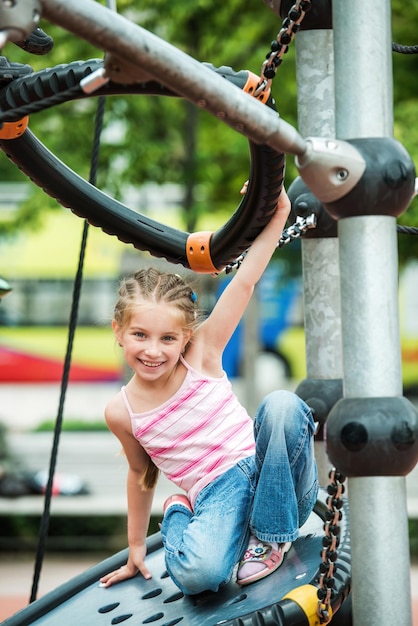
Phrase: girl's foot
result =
(177, 499)
(260, 559)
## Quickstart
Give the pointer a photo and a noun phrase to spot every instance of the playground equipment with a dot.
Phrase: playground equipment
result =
(364, 180)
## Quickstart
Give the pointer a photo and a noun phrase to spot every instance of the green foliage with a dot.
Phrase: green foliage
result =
(157, 139)
(93, 533)
(28, 215)
(73, 425)
(405, 69)
(413, 539)
(105, 534)
(162, 139)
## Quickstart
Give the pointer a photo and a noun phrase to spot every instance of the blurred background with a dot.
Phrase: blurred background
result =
(165, 158)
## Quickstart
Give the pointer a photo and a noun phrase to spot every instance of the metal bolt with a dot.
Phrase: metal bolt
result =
(342, 175)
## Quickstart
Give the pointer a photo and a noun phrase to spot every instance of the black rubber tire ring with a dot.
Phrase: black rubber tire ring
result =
(54, 85)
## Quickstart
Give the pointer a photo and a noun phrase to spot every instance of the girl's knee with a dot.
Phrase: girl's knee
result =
(288, 399)
(284, 417)
(198, 578)
(281, 405)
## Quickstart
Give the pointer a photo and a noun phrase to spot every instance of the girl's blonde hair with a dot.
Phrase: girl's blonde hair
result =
(151, 285)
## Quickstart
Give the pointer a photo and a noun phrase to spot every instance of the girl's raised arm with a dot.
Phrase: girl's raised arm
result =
(216, 331)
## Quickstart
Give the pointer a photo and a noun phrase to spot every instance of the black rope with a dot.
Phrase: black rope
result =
(397, 47)
(44, 525)
(407, 230)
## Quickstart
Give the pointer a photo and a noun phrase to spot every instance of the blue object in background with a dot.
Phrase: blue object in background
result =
(277, 298)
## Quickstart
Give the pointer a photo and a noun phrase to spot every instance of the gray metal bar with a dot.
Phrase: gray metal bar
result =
(369, 276)
(320, 256)
(381, 575)
(369, 296)
(316, 105)
(176, 70)
(363, 69)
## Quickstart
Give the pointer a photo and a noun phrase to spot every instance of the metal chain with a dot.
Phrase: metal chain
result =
(279, 47)
(290, 27)
(294, 231)
(330, 544)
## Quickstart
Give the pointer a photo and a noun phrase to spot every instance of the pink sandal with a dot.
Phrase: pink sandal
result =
(261, 559)
(177, 499)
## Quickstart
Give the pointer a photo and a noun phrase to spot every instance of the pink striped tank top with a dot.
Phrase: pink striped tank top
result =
(198, 434)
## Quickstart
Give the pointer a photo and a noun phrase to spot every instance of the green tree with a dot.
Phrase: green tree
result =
(162, 139)
(165, 139)
(405, 71)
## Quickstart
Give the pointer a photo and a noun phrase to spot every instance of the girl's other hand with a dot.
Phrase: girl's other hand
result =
(131, 569)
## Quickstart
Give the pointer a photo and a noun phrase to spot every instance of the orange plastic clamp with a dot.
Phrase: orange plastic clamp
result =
(11, 130)
(251, 85)
(198, 252)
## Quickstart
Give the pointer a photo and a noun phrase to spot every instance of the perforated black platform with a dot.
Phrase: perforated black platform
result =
(158, 601)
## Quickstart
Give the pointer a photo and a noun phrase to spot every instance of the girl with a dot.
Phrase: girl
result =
(249, 485)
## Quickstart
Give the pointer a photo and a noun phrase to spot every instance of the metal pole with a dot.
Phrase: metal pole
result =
(320, 260)
(369, 296)
(315, 88)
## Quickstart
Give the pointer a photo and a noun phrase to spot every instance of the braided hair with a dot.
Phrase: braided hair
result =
(152, 285)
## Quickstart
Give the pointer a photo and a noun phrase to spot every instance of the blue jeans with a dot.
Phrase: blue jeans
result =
(270, 494)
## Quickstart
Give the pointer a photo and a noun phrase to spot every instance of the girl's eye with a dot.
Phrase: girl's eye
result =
(139, 334)
(169, 338)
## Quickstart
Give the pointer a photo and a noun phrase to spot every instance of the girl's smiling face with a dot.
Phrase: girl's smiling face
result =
(153, 340)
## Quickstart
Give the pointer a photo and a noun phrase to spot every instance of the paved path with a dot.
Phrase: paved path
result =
(95, 458)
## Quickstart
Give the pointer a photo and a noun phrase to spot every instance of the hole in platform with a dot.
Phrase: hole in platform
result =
(202, 598)
(109, 607)
(176, 596)
(240, 598)
(165, 574)
(173, 622)
(153, 618)
(121, 618)
(152, 594)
